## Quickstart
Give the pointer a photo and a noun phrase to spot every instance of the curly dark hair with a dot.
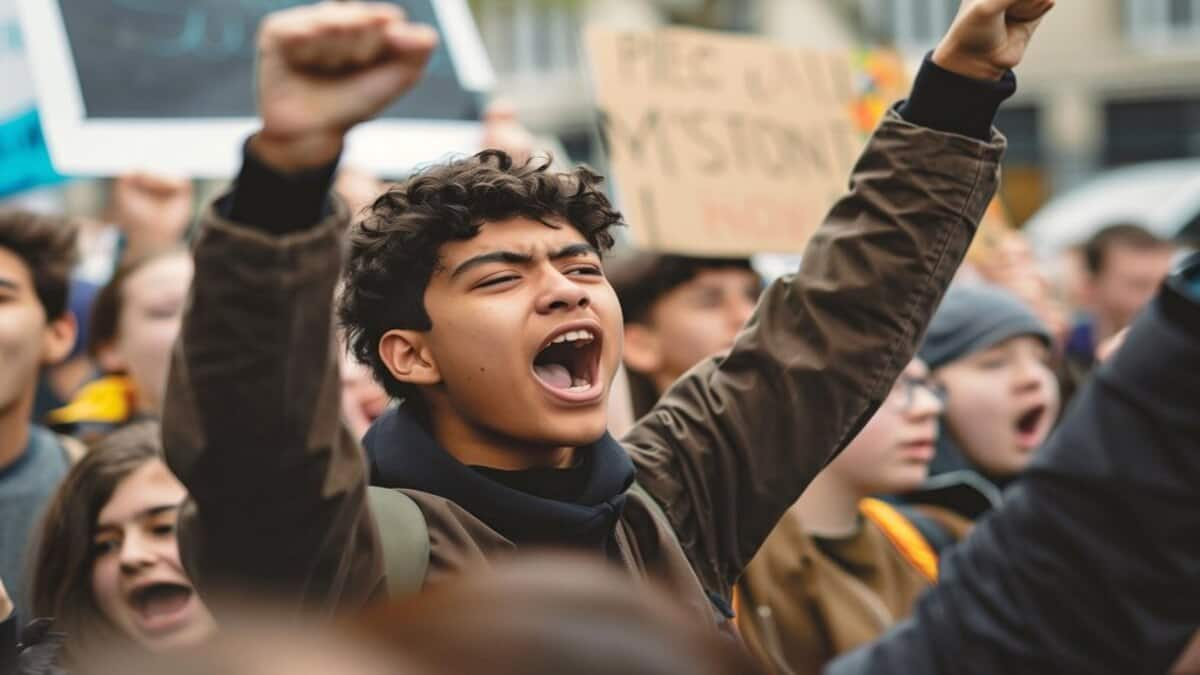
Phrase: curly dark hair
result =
(396, 248)
(47, 245)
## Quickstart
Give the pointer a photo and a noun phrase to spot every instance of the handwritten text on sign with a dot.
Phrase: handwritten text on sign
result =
(721, 144)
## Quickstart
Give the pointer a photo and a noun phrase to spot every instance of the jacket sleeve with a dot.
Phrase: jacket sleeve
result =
(1092, 563)
(251, 424)
(734, 442)
(8, 643)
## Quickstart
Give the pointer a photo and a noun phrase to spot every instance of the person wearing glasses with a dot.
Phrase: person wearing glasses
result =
(843, 566)
(993, 355)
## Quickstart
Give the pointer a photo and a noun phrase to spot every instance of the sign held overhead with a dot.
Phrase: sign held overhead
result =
(722, 144)
(168, 85)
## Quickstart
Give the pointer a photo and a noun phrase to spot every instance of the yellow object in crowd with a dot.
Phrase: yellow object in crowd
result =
(106, 400)
(903, 535)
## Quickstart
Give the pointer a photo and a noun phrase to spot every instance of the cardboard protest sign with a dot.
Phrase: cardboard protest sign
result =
(168, 85)
(24, 160)
(722, 144)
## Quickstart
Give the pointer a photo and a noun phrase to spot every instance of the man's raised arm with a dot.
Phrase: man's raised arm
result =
(731, 446)
(251, 423)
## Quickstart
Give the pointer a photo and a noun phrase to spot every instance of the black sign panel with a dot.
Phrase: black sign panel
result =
(195, 58)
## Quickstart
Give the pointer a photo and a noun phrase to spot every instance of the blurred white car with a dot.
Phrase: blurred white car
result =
(1163, 197)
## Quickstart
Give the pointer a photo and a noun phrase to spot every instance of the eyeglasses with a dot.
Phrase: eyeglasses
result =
(904, 392)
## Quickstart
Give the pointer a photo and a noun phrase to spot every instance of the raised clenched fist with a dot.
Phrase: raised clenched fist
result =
(324, 68)
(988, 37)
(152, 210)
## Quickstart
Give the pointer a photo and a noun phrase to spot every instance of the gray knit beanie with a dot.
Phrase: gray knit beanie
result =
(973, 317)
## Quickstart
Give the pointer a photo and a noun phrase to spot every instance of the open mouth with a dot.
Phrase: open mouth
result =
(921, 450)
(160, 604)
(1029, 426)
(568, 363)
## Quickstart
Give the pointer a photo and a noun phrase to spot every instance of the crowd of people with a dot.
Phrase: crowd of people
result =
(341, 425)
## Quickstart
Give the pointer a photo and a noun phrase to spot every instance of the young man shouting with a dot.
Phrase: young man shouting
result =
(36, 330)
(475, 291)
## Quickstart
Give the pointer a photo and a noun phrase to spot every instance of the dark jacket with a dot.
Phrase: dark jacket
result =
(1092, 563)
(277, 484)
(35, 653)
(955, 485)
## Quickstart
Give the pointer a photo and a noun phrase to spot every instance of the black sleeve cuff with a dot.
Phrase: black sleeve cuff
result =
(946, 101)
(275, 202)
(8, 644)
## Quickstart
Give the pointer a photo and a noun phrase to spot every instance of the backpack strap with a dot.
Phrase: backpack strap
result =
(404, 535)
(655, 507)
(903, 535)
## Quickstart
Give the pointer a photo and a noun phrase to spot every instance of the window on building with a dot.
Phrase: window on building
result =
(1025, 187)
(1162, 23)
(530, 39)
(1019, 123)
(910, 25)
(1140, 131)
(728, 15)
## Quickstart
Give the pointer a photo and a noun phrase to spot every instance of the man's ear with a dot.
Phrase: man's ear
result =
(408, 358)
(58, 338)
(643, 349)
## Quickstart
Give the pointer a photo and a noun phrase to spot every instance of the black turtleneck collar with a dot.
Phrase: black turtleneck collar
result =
(560, 485)
(574, 507)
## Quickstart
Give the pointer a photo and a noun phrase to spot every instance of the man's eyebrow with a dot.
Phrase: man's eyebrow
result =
(514, 258)
(9, 284)
(575, 251)
(493, 257)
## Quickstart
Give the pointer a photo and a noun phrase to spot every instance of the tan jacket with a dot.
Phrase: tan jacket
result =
(252, 424)
(803, 600)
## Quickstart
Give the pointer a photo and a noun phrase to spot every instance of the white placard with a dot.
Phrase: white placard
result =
(167, 85)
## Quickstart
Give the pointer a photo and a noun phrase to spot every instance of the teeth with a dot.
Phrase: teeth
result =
(579, 384)
(580, 336)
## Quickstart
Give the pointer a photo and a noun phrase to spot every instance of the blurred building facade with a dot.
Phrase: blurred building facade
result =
(1106, 82)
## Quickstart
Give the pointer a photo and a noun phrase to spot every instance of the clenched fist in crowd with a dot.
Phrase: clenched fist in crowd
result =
(324, 68)
(989, 37)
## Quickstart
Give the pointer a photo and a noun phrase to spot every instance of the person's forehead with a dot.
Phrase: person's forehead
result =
(150, 485)
(167, 272)
(13, 269)
(521, 235)
(730, 274)
(1133, 258)
(706, 280)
